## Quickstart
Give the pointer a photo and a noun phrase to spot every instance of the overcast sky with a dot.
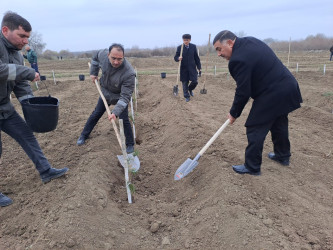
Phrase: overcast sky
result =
(80, 25)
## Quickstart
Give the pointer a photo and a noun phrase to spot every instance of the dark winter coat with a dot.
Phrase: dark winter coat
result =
(190, 63)
(117, 84)
(13, 77)
(259, 74)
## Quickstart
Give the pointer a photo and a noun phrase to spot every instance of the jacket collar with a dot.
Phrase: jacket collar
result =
(7, 43)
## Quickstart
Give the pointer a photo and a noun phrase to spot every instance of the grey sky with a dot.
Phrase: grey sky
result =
(79, 25)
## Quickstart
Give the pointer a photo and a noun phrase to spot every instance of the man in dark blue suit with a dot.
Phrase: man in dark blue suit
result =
(190, 62)
(259, 75)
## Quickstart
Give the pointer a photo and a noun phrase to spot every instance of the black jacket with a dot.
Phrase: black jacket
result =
(189, 64)
(259, 74)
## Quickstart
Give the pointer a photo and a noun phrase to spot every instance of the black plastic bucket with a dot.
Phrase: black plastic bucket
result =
(163, 74)
(81, 77)
(41, 113)
(42, 78)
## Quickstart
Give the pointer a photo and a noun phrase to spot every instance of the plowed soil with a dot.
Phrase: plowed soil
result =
(211, 208)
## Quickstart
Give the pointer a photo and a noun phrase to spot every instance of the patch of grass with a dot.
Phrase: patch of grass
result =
(327, 94)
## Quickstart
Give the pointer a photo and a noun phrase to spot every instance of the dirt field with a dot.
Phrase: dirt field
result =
(212, 208)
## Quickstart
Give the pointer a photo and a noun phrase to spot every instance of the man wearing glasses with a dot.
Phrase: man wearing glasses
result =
(117, 84)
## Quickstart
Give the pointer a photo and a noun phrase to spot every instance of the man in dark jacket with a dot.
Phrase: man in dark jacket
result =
(32, 58)
(117, 84)
(14, 77)
(259, 75)
(190, 62)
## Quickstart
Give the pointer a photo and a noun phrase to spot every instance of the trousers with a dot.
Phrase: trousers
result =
(188, 87)
(35, 67)
(17, 128)
(256, 136)
(97, 114)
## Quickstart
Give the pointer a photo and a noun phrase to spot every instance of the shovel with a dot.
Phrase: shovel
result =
(204, 91)
(189, 164)
(175, 88)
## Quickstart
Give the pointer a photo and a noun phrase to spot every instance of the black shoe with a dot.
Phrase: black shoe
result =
(187, 99)
(52, 173)
(191, 92)
(241, 169)
(4, 200)
(81, 140)
(284, 162)
(129, 149)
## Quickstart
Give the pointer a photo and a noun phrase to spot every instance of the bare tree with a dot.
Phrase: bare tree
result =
(49, 54)
(36, 42)
(240, 33)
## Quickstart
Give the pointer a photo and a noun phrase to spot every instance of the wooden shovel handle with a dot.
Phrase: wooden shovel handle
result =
(108, 111)
(181, 55)
(218, 132)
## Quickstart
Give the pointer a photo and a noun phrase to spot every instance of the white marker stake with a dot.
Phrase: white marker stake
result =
(54, 77)
(297, 67)
(133, 120)
(324, 69)
(289, 51)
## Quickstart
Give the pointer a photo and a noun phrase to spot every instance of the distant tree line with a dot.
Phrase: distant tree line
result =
(317, 42)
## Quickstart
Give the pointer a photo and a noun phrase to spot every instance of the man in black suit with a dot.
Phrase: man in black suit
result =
(189, 65)
(259, 75)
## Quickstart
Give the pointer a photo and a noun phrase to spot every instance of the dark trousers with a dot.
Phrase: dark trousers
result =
(35, 67)
(331, 56)
(256, 136)
(17, 128)
(97, 114)
(188, 87)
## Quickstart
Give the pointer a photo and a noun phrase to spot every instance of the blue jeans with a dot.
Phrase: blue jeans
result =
(188, 87)
(17, 128)
(97, 114)
(35, 67)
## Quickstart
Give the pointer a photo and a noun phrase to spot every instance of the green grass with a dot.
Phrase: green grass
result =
(328, 94)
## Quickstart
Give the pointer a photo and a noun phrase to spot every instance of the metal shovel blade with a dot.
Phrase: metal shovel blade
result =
(133, 162)
(175, 90)
(203, 91)
(185, 169)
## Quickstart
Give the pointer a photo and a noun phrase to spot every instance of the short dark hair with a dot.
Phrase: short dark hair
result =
(13, 21)
(186, 36)
(224, 35)
(118, 46)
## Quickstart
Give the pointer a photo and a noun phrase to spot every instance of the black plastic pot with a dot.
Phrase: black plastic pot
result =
(41, 113)
(42, 78)
(81, 77)
(163, 75)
